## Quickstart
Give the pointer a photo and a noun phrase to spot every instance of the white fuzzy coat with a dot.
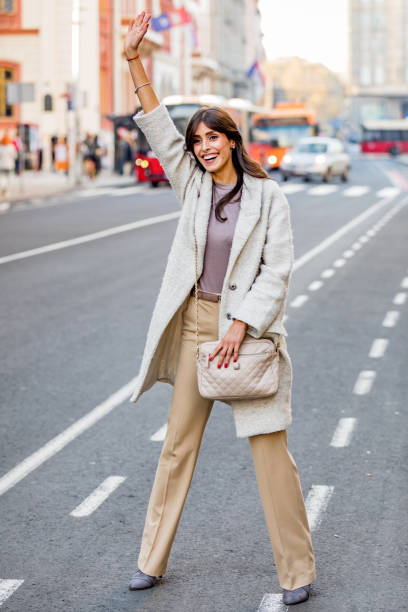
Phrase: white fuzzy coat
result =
(255, 284)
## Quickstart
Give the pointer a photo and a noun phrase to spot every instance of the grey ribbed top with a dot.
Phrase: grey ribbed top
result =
(219, 240)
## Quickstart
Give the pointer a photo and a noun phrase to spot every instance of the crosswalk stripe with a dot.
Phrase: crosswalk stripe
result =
(294, 188)
(321, 190)
(355, 191)
(388, 192)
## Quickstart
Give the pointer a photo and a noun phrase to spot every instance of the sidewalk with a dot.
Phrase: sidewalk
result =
(32, 184)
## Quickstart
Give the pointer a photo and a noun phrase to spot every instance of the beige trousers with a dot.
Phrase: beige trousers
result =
(276, 471)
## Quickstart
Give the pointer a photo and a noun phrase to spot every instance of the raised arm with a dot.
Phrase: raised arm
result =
(136, 31)
(165, 140)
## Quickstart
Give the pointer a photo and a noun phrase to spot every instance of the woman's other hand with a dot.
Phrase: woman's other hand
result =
(136, 30)
(229, 345)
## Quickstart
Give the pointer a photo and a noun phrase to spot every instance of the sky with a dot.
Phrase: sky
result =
(315, 30)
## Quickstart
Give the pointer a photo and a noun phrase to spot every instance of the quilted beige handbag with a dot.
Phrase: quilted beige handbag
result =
(254, 375)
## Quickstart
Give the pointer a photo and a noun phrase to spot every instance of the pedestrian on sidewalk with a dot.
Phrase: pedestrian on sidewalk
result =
(8, 156)
(245, 257)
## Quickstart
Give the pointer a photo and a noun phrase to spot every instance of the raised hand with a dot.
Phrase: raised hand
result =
(136, 31)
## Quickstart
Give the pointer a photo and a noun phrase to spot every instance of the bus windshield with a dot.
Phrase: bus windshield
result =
(281, 135)
(181, 114)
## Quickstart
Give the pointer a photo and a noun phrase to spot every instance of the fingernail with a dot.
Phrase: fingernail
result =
(234, 359)
(210, 358)
(226, 365)
(219, 365)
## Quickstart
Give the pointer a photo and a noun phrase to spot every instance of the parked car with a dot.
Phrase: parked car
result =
(316, 156)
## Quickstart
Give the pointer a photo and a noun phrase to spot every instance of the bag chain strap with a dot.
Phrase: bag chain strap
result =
(196, 289)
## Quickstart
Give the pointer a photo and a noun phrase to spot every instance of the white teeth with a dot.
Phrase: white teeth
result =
(208, 158)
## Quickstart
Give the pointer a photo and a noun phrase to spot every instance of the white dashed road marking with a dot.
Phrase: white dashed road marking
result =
(272, 602)
(301, 261)
(339, 263)
(342, 434)
(98, 496)
(391, 318)
(160, 434)
(378, 348)
(404, 283)
(316, 503)
(364, 382)
(349, 253)
(315, 285)
(57, 443)
(328, 273)
(299, 301)
(400, 299)
(7, 588)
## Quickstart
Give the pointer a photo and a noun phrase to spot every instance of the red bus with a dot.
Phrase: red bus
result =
(385, 136)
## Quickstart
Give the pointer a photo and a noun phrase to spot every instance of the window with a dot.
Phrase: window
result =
(6, 76)
(7, 7)
(365, 75)
(379, 74)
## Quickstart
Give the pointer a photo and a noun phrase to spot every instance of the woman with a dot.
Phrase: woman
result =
(8, 155)
(244, 261)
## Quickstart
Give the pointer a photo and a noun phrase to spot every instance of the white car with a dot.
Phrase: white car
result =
(316, 156)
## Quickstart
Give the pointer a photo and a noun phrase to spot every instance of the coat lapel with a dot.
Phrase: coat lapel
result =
(251, 204)
(202, 216)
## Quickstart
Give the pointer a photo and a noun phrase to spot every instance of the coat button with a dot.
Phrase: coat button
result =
(228, 315)
(233, 286)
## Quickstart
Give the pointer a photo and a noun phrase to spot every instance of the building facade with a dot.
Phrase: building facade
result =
(378, 68)
(72, 53)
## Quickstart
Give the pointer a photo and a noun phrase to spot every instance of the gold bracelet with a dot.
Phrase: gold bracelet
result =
(142, 85)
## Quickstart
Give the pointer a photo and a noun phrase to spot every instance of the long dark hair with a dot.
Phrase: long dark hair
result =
(218, 119)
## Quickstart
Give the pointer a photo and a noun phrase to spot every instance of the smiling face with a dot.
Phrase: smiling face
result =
(213, 149)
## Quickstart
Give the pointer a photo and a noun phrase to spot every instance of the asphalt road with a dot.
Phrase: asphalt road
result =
(72, 325)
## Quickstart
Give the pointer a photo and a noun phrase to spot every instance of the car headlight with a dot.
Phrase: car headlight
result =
(145, 163)
(287, 158)
(272, 159)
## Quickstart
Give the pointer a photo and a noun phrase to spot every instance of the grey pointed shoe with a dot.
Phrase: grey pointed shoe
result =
(296, 596)
(142, 581)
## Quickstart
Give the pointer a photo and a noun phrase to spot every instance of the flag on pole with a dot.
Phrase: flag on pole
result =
(165, 21)
(256, 70)
(179, 17)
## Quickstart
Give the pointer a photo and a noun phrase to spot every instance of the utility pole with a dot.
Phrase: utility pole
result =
(74, 132)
